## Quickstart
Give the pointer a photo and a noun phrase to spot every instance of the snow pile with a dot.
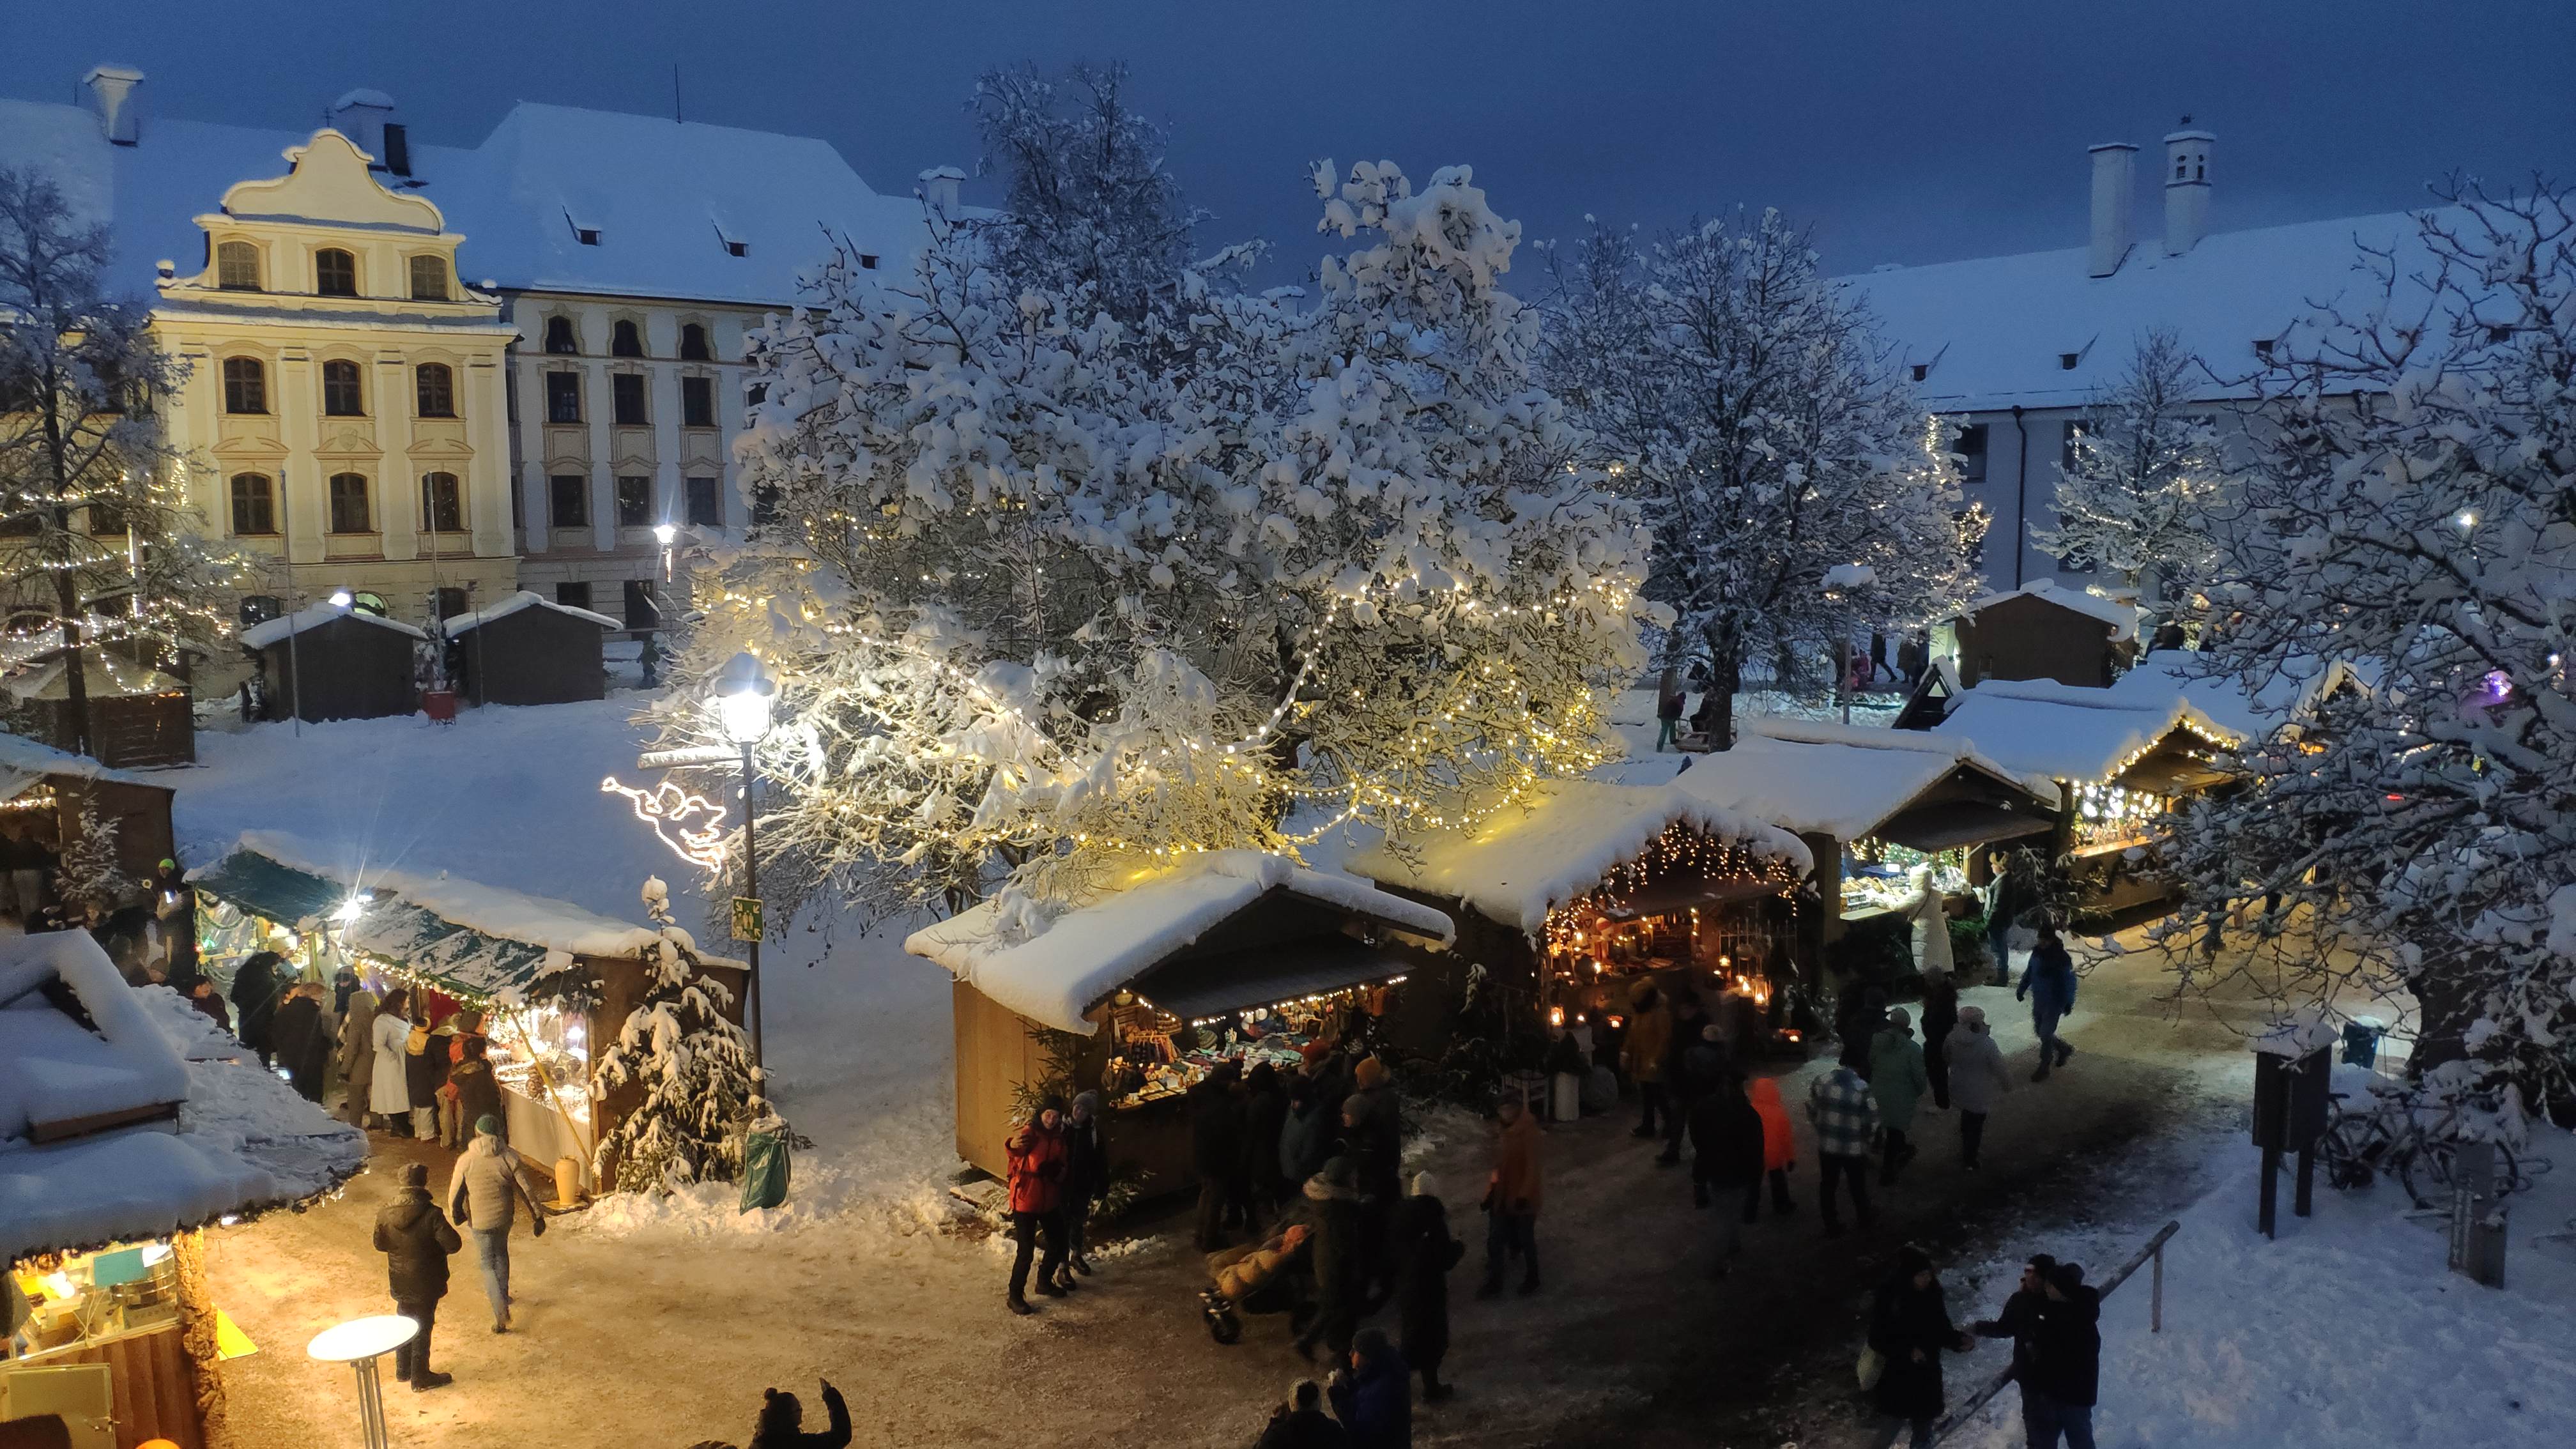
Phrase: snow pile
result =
(1526, 861)
(1054, 971)
(55, 1070)
(493, 910)
(276, 631)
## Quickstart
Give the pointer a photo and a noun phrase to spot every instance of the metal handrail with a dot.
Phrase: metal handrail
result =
(2155, 1249)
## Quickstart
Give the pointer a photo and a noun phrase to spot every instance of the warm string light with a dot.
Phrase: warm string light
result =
(667, 808)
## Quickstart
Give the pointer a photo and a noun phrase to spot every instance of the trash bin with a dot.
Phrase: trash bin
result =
(1565, 1097)
(764, 1163)
(2361, 1041)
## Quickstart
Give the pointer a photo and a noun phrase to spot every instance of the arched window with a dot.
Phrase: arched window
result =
(368, 601)
(335, 273)
(693, 344)
(559, 336)
(442, 503)
(342, 395)
(254, 505)
(627, 341)
(437, 389)
(429, 279)
(245, 385)
(237, 266)
(349, 511)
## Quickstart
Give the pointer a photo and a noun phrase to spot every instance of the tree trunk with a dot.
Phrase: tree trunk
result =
(75, 679)
(1725, 680)
(2447, 1004)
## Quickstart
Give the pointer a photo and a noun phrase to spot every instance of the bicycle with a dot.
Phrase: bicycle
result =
(2413, 1139)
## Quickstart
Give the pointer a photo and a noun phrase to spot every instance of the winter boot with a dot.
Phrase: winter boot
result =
(2041, 1075)
(1021, 1306)
(2064, 1052)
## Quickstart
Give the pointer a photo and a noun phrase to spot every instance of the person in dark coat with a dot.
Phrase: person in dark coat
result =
(1333, 1207)
(1374, 1396)
(2067, 1359)
(1940, 1018)
(298, 1041)
(1305, 1135)
(203, 996)
(782, 1421)
(478, 1092)
(1422, 1253)
(1301, 1423)
(1727, 1157)
(1858, 1021)
(1086, 1180)
(1689, 1070)
(1265, 1117)
(1373, 1137)
(1216, 1150)
(2019, 1322)
(416, 1239)
(1910, 1327)
(256, 989)
(2049, 982)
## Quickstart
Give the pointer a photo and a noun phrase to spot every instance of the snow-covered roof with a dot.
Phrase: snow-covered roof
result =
(1992, 332)
(2167, 677)
(665, 198)
(1842, 781)
(23, 762)
(306, 620)
(1052, 971)
(102, 673)
(524, 599)
(243, 1140)
(2040, 727)
(1524, 862)
(2122, 618)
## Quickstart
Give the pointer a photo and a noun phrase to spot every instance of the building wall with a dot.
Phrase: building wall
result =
(2019, 492)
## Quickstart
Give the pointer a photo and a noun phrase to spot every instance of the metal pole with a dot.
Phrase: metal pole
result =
(751, 888)
(2156, 1294)
(371, 1403)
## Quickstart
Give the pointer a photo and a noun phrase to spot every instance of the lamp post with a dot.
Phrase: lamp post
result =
(664, 534)
(744, 697)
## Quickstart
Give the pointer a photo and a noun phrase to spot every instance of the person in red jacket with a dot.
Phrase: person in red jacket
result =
(1036, 1165)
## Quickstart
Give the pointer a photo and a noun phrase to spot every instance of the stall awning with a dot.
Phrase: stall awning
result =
(469, 963)
(1213, 985)
(1947, 826)
(269, 890)
(1665, 897)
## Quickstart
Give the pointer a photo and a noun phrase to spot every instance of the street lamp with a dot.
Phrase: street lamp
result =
(744, 695)
(342, 598)
(664, 534)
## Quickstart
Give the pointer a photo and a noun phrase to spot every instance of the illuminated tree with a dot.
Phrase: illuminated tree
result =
(2143, 494)
(692, 1065)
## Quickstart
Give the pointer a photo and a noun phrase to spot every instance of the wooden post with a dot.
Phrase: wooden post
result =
(2307, 1180)
(2268, 1195)
(2156, 1294)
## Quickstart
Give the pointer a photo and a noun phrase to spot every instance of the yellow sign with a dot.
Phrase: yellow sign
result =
(746, 918)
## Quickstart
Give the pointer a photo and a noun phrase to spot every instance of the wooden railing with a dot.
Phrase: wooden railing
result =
(2154, 1251)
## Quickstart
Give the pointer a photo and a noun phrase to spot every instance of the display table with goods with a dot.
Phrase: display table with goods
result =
(1139, 993)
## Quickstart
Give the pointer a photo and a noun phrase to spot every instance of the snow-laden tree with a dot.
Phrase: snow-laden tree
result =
(1797, 491)
(92, 874)
(98, 547)
(2144, 493)
(2413, 509)
(1052, 602)
(691, 1065)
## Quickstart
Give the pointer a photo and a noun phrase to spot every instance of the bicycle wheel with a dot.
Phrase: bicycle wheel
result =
(2430, 1162)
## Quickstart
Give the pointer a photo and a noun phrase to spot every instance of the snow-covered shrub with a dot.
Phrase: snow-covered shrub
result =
(2148, 484)
(693, 1066)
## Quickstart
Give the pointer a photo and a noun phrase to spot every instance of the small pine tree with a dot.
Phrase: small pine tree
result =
(2146, 478)
(91, 874)
(694, 1066)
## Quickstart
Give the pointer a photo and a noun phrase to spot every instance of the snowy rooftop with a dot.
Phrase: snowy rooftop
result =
(524, 599)
(302, 621)
(1526, 861)
(2166, 679)
(23, 762)
(1992, 332)
(2123, 618)
(2040, 727)
(119, 1167)
(664, 198)
(1054, 971)
(1842, 781)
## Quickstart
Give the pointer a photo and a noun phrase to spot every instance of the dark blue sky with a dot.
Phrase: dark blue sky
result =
(1903, 131)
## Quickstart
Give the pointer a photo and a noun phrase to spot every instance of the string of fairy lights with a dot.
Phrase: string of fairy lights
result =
(1678, 851)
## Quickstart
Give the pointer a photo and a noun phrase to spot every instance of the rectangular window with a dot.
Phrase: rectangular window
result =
(429, 279)
(570, 495)
(106, 519)
(442, 503)
(343, 394)
(706, 508)
(451, 602)
(573, 596)
(634, 501)
(349, 511)
(697, 402)
(642, 612)
(563, 397)
(1972, 453)
(2066, 450)
(626, 390)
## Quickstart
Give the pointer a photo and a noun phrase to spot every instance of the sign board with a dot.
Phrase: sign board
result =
(746, 918)
(2477, 1219)
(2290, 1096)
(688, 755)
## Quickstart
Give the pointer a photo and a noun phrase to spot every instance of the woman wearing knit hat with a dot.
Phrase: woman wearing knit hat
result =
(483, 1196)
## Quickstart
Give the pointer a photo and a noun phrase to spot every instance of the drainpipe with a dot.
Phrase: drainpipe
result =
(2021, 490)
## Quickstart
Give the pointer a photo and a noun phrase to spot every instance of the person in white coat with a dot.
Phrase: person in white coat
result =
(388, 1085)
(1931, 917)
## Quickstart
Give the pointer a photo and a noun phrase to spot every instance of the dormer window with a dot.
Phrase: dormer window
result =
(586, 235)
(2263, 348)
(2066, 360)
(2499, 334)
(1922, 370)
(867, 261)
(559, 336)
(237, 266)
(335, 273)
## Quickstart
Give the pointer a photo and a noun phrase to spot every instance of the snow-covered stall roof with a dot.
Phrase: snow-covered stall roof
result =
(24, 763)
(1053, 971)
(524, 599)
(2040, 727)
(242, 1142)
(2122, 618)
(1843, 781)
(306, 620)
(2169, 679)
(1992, 332)
(1522, 863)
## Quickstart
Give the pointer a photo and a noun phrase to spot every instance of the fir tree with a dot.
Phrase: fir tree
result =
(693, 1066)
(2143, 492)
(91, 875)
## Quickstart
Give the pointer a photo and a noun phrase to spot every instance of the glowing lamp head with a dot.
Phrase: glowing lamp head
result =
(663, 533)
(342, 598)
(744, 696)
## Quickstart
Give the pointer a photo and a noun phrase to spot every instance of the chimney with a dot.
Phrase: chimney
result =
(2186, 188)
(939, 188)
(112, 100)
(2115, 193)
(361, 115)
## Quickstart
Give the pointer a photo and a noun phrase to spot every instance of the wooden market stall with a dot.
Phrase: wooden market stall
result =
(550, 978)
(2042, 631)
(1236, 955)
(528, 649)
(129, 1124)
(138, 716)
(45, 791)
(1572, 901)
(1871, 806)
(327, 663)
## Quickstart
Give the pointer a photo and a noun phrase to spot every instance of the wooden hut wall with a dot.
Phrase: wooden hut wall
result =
(349, 670)
(623, 985)
(2025, 637)
(534, 656)
(997, 1050)
(144, 837)
(126, 730)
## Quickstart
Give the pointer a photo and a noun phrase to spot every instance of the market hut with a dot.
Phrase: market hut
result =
(1596, 888)
(551, 979)
(138, 716)
(2043, 631)
(327, 662)
(45, 793)
(129, 1124)
(528, 649)
(1236, 955)
(1871, 805)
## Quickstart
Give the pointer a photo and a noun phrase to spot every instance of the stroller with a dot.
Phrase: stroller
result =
(1273, 1276)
